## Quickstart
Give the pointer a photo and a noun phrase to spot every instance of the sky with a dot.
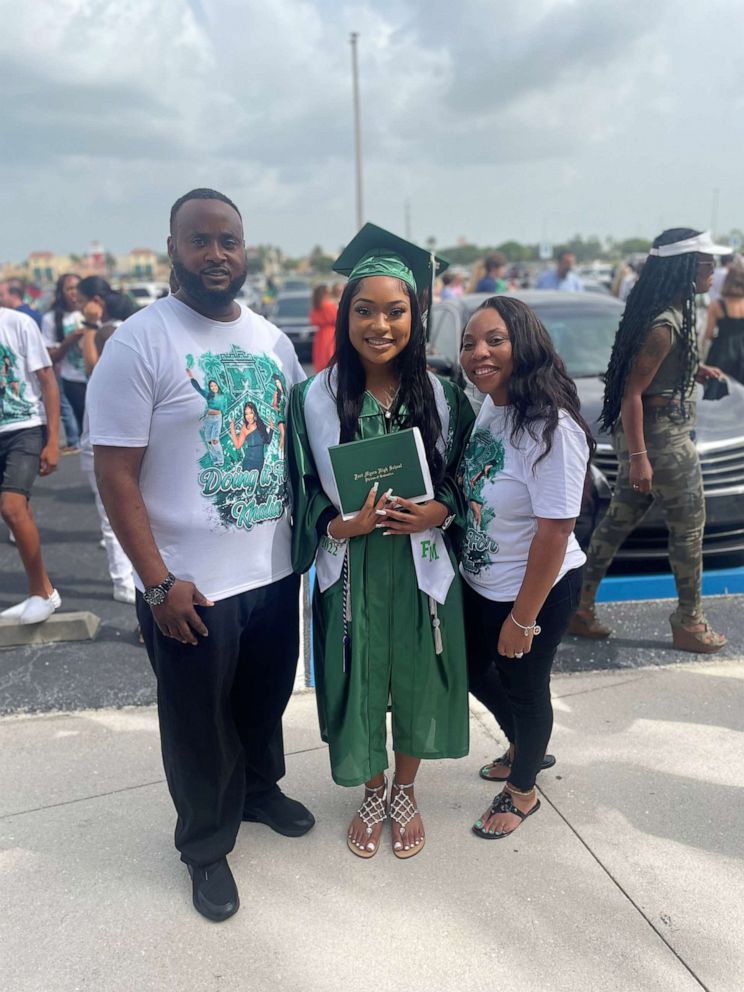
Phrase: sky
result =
(492, 120)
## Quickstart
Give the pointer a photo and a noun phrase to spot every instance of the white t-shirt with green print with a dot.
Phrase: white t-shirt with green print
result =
(208, 400)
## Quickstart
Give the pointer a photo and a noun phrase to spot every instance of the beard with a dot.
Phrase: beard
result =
(192, 283)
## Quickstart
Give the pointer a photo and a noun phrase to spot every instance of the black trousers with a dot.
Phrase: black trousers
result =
(517, 690)
(220, 706)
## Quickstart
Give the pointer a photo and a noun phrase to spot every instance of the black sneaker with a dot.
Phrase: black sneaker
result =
(214, 890)
(285, 815)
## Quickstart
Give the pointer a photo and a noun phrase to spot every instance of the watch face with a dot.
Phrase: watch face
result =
(154, 596)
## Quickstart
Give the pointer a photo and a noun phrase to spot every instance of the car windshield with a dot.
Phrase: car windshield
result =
(582, 337)
(137, 291)
(292, 306)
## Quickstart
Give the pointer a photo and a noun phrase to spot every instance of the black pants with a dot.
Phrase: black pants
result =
(220, 706)
(75, 393)
(517, 690)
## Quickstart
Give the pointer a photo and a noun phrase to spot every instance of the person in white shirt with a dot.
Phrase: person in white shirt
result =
(523, 476)
(57, 327)
(719, 277)
(217, 600)
(29, 446)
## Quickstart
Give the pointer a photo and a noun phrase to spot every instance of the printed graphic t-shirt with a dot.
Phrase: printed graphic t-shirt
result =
(208, 400)
(505, 496)
(22, 353)
(72, 366)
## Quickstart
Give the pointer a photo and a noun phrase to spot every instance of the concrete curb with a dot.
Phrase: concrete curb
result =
(82, 626)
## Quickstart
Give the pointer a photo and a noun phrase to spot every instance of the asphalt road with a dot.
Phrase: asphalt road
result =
(113, 670)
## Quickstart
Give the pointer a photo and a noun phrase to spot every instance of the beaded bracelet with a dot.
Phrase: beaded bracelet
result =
(532, 628)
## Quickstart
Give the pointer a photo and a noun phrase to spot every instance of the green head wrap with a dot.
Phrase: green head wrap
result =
(383, 262)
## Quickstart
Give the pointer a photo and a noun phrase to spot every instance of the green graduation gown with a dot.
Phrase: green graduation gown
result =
(393, 657)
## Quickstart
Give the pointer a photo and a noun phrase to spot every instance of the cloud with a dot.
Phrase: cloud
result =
(490, 118)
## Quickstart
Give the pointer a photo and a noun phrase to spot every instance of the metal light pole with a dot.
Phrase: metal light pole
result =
(357, 129)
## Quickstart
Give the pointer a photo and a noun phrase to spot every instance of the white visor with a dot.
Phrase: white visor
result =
(702, 243)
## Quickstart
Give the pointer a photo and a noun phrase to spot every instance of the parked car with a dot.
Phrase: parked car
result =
(249, 297)
(146, 292)
(583, 326)
(290, 313)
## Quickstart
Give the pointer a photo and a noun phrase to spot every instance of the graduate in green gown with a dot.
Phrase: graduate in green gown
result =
(387, 607)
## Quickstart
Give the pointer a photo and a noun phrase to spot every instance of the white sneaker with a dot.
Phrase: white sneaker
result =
(38, 609)
(14, 612)
(124, 592)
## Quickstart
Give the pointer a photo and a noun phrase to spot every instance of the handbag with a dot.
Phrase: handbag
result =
(715, 389)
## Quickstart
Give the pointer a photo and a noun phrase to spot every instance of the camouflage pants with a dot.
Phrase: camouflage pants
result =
(678, 487)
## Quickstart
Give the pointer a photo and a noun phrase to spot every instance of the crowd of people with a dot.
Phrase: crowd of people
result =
(216, 491)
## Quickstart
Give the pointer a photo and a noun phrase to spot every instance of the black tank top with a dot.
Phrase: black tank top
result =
(728, 327)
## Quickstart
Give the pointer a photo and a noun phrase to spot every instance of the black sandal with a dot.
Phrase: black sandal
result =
(502, 804)
(505, 762)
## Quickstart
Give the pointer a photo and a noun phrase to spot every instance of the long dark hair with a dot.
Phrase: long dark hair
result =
(539, 387)
(662, 282)
(58, 303)
(261, 427)
(118, 306)
(319, 294)
(416, 392)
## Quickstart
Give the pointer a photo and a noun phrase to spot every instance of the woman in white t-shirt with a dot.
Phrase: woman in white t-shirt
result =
(523, 477)
(62, 331)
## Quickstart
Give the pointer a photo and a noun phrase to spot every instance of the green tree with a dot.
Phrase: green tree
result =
(633, 246)
(463, 254)
(319, 261)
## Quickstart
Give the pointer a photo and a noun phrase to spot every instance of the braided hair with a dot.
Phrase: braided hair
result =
(662, 282)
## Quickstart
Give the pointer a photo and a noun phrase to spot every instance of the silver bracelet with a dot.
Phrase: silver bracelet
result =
(634, 453)
(532, 628)
(336, 540)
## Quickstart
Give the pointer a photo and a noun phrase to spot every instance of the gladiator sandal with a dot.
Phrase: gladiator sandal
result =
(705, 641)
(584, 623)
(402, 811)
(372, 811)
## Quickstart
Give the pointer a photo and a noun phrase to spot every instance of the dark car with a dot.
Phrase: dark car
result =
(583, 326)
(290, 313)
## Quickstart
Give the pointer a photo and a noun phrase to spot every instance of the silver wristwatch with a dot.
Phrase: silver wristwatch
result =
(447, 521)
(155, 595)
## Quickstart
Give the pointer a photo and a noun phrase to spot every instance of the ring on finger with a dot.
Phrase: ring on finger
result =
(519, 654)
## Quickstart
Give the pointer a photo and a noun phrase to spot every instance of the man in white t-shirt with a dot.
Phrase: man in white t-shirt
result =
(29, 446)
(187, 411)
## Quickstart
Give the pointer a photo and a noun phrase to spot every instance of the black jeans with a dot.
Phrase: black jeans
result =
(75, 393)
(220, 706)
(517, 690)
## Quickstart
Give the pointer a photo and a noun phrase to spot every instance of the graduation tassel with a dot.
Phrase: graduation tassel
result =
(346, 663)
(436, 624)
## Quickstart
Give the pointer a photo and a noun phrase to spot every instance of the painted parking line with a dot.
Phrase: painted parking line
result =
(716, 582)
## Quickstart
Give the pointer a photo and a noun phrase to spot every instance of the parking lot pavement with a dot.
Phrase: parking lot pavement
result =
(628, 879)
(113, 670)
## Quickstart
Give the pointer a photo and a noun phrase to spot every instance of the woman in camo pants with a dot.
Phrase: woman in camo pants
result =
(649, 408)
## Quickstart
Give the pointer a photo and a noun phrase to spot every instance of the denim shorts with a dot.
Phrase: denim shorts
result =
(19, 459)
